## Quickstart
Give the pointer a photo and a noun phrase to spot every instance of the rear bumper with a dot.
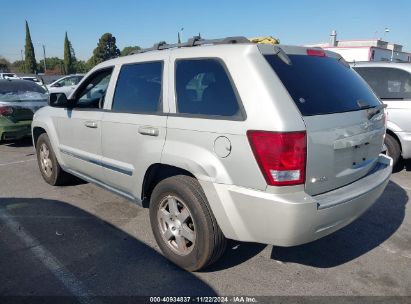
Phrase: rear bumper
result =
(14, 130)
(405, 139)
(293, 218)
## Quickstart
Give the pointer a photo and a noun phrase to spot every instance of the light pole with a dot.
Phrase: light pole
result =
(181, 34)
(387, 30)
(44, 56)
(22, 61)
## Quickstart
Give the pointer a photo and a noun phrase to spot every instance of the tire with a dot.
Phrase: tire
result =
(49, 167)
(196, 241)
(393, 148)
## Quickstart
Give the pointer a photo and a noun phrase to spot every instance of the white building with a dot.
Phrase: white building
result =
(365, 50)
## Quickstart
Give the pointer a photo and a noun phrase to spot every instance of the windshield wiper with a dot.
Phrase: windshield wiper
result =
(371, 111)
(376, 110)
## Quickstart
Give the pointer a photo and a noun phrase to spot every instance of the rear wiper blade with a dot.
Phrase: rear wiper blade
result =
(376, 110)
(371, 111)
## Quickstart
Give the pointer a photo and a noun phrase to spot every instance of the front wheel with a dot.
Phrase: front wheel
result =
(48, 164)
(183, 224)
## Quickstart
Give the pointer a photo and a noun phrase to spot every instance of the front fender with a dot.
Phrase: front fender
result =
(45, 121)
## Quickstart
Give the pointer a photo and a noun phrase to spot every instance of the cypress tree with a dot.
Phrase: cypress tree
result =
(30, 59)
(69, 57)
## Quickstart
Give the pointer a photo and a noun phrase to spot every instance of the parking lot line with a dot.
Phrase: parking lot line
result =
(17, 162)
(61, 273)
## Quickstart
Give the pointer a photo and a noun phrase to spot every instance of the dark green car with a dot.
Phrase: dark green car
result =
(19, 99)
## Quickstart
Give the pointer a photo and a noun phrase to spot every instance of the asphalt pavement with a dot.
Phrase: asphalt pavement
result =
(82, 241)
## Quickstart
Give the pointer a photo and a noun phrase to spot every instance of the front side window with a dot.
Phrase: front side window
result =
(387, 83)
(93, 90)
(204, 88)
(138, 88)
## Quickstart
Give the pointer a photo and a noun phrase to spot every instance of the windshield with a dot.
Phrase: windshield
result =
(322, 85)
(15, 91)
(387, 83)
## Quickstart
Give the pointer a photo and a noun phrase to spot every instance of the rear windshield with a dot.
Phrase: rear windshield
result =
(21, 90)
(387, 83)
(322, 85)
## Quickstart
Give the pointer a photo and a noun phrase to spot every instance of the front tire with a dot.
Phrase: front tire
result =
(49, 167)
(183, 224)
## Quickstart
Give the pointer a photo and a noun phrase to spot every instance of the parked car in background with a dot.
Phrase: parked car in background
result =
(34, 79)
(391, 82)
(261, 143)
(65, 85)
(8, 76)
(19, 100)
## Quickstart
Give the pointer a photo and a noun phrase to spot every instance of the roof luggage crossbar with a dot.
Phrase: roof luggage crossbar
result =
(194, 41)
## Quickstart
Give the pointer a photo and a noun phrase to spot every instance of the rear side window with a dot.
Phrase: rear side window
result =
(138, 88)
(322, 85)
(204, 88)
(387, 83)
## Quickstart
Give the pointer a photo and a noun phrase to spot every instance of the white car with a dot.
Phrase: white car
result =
(8, 76)
(391, 81)
(65, 85)
(34, 79)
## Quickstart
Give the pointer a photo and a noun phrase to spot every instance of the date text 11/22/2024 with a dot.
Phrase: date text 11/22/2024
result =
(234, 299)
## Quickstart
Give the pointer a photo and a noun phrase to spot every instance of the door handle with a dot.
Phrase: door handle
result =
(90, 124)
(147, 130)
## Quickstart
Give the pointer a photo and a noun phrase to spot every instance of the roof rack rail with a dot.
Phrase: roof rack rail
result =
(194, 41)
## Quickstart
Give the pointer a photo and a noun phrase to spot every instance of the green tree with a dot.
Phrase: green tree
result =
(53, 64)
(128, 49)
(106, 49)
(18, 66)
(69, 57)
(81, 66)
(4, 65)
(30, 58)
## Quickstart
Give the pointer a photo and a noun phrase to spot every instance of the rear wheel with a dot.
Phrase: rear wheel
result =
(48, 164)
(183, 224)
(393, 148)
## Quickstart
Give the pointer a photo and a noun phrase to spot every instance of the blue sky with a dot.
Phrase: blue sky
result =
(146, 22)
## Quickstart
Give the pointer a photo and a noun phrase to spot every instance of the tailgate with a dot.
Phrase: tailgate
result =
(341, 148)
(344, 120)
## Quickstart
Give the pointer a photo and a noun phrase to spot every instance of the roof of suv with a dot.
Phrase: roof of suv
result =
(187, 50)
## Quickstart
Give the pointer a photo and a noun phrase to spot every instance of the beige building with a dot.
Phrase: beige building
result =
(365, 50)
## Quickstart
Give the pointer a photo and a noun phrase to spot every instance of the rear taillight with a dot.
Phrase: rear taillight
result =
(6, 111)
(315, 52)
(280, 155)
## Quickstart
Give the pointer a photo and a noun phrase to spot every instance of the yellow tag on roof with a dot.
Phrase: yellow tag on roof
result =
(265, 40)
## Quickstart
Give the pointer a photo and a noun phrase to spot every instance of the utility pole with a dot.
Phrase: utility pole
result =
(22, 60)
(181, 34)
(44, 57)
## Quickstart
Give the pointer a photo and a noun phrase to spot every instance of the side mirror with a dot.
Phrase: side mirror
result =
(59, 100)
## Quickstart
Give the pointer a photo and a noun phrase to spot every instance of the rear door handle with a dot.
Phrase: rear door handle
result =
(147, 130)
(90, 124)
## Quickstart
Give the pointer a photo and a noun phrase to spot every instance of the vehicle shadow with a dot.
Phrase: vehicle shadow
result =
(24, 142)
(235, 254)
(366, 233)
(100, 257)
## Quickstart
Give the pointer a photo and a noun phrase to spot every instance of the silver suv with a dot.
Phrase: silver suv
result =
(392, 83)
(223, 139)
